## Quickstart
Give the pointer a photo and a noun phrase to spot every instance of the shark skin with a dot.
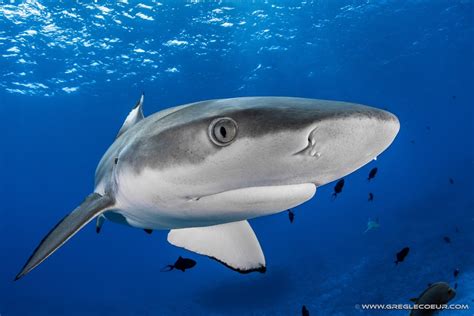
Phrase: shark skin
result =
(201, 170)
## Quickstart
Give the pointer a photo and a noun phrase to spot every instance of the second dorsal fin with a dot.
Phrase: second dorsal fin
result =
(135, 116)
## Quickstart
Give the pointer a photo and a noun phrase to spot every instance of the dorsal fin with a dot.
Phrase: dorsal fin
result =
(135, 116)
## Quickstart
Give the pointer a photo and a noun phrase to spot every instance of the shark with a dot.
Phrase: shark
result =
(202, 170)
(372, 224)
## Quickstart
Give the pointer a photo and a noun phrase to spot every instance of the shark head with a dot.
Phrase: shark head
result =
(253, 156)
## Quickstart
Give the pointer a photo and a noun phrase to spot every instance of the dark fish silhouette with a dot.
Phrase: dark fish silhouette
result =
(402, 254)
(304, 311)
(291, 216)
(148, 231)
(372, 173)
(438, 293)
(447, 239)
(338, 188)
(451, 180)
(181, 264)
(456, 272)
(371, 197)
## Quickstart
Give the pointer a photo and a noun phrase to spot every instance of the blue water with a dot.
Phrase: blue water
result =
(69, 74)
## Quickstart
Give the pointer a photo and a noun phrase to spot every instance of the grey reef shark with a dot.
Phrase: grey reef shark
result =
(202, 170)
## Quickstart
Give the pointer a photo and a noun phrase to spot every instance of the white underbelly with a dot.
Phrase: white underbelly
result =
(147, 209)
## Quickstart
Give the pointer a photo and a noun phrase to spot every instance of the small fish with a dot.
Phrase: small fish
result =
(372, 225)
(402, 254)
(338, 188)
(447, 239)
(291, 216)
(181, 264)
(454, 97)
(439, 293)
(372, 173)
(451, 180)
(371, 197)
(428, 128)
(148, 231)
(456, 272)
(412, 141)
(457, 229)
(304, 311)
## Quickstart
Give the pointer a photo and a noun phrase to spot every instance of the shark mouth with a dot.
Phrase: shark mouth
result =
(259, 200)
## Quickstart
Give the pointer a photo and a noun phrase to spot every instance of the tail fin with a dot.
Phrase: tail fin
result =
(91, 207)
(167, 268)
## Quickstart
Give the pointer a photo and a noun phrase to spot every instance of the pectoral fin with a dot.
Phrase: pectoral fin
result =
(92, 206)
(233, 244)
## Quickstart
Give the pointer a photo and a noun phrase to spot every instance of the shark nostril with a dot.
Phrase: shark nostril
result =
(312, 144)
(311, 148)
(315, 153)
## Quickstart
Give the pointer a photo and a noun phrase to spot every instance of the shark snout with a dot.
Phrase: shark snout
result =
(345, 141)
(380, 128)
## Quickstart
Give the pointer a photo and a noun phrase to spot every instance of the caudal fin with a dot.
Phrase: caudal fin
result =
(93, 205)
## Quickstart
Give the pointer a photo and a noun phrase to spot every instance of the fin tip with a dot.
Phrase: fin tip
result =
(19, 276)
(261, 268)
(140, 101)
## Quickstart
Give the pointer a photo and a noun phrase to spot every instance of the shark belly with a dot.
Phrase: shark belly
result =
(146, 201)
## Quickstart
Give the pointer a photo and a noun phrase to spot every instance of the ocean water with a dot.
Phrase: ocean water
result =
(70, 71)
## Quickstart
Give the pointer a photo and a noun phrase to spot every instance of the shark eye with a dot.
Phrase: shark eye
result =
(222, 131)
